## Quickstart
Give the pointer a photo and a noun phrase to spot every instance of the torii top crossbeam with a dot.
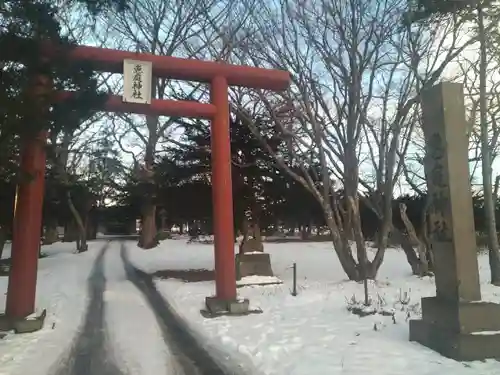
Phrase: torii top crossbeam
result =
(110, 60)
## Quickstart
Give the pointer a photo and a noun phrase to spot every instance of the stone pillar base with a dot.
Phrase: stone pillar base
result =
(249, 264)
(466, 331)
(217, 307)
(26, 325)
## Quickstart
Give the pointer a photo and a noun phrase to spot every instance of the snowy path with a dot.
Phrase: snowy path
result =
(131, 324)
(192, 356)
(89, 354)
(129, 328)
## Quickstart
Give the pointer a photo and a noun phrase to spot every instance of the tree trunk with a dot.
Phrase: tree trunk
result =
(368, 270)
(421, 246)
(383, 235)
(352, 220)
(304, 233)
(91, 228)
(51, 236)
(489, 204)
(400, 238)
(342, 248)
(347, 262)
(407, 247)
(148, 238)
(3, 239)
(81, 243)
(70, 232)
(163, 224)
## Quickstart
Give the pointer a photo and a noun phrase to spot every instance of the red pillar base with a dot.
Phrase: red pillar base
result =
(27, 226)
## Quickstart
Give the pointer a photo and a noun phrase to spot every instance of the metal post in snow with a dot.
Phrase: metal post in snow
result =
(294, 291)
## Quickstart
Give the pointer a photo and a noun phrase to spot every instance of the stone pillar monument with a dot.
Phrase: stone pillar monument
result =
(455, 322)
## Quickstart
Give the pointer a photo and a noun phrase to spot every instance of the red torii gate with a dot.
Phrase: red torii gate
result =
(22, 280)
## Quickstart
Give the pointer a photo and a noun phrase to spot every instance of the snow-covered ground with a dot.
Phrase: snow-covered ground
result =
(313, 333)
(310, 334)
(62, 290)
(131, 329)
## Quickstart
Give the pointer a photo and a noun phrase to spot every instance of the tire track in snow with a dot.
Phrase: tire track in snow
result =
(190, 355)
(89, 354)
(134, 334)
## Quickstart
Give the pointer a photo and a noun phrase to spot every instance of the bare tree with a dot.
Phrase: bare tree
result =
(353, 104)
(70, 151)
(70, 147)
(162, 28)
(486, 165)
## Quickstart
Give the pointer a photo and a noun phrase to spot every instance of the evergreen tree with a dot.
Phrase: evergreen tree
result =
(25, 29)
(259, 187)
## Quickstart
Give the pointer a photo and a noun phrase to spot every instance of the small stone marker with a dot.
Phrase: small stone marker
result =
(454, 322)
(251, 263)
(251, 245)
(252, 260)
